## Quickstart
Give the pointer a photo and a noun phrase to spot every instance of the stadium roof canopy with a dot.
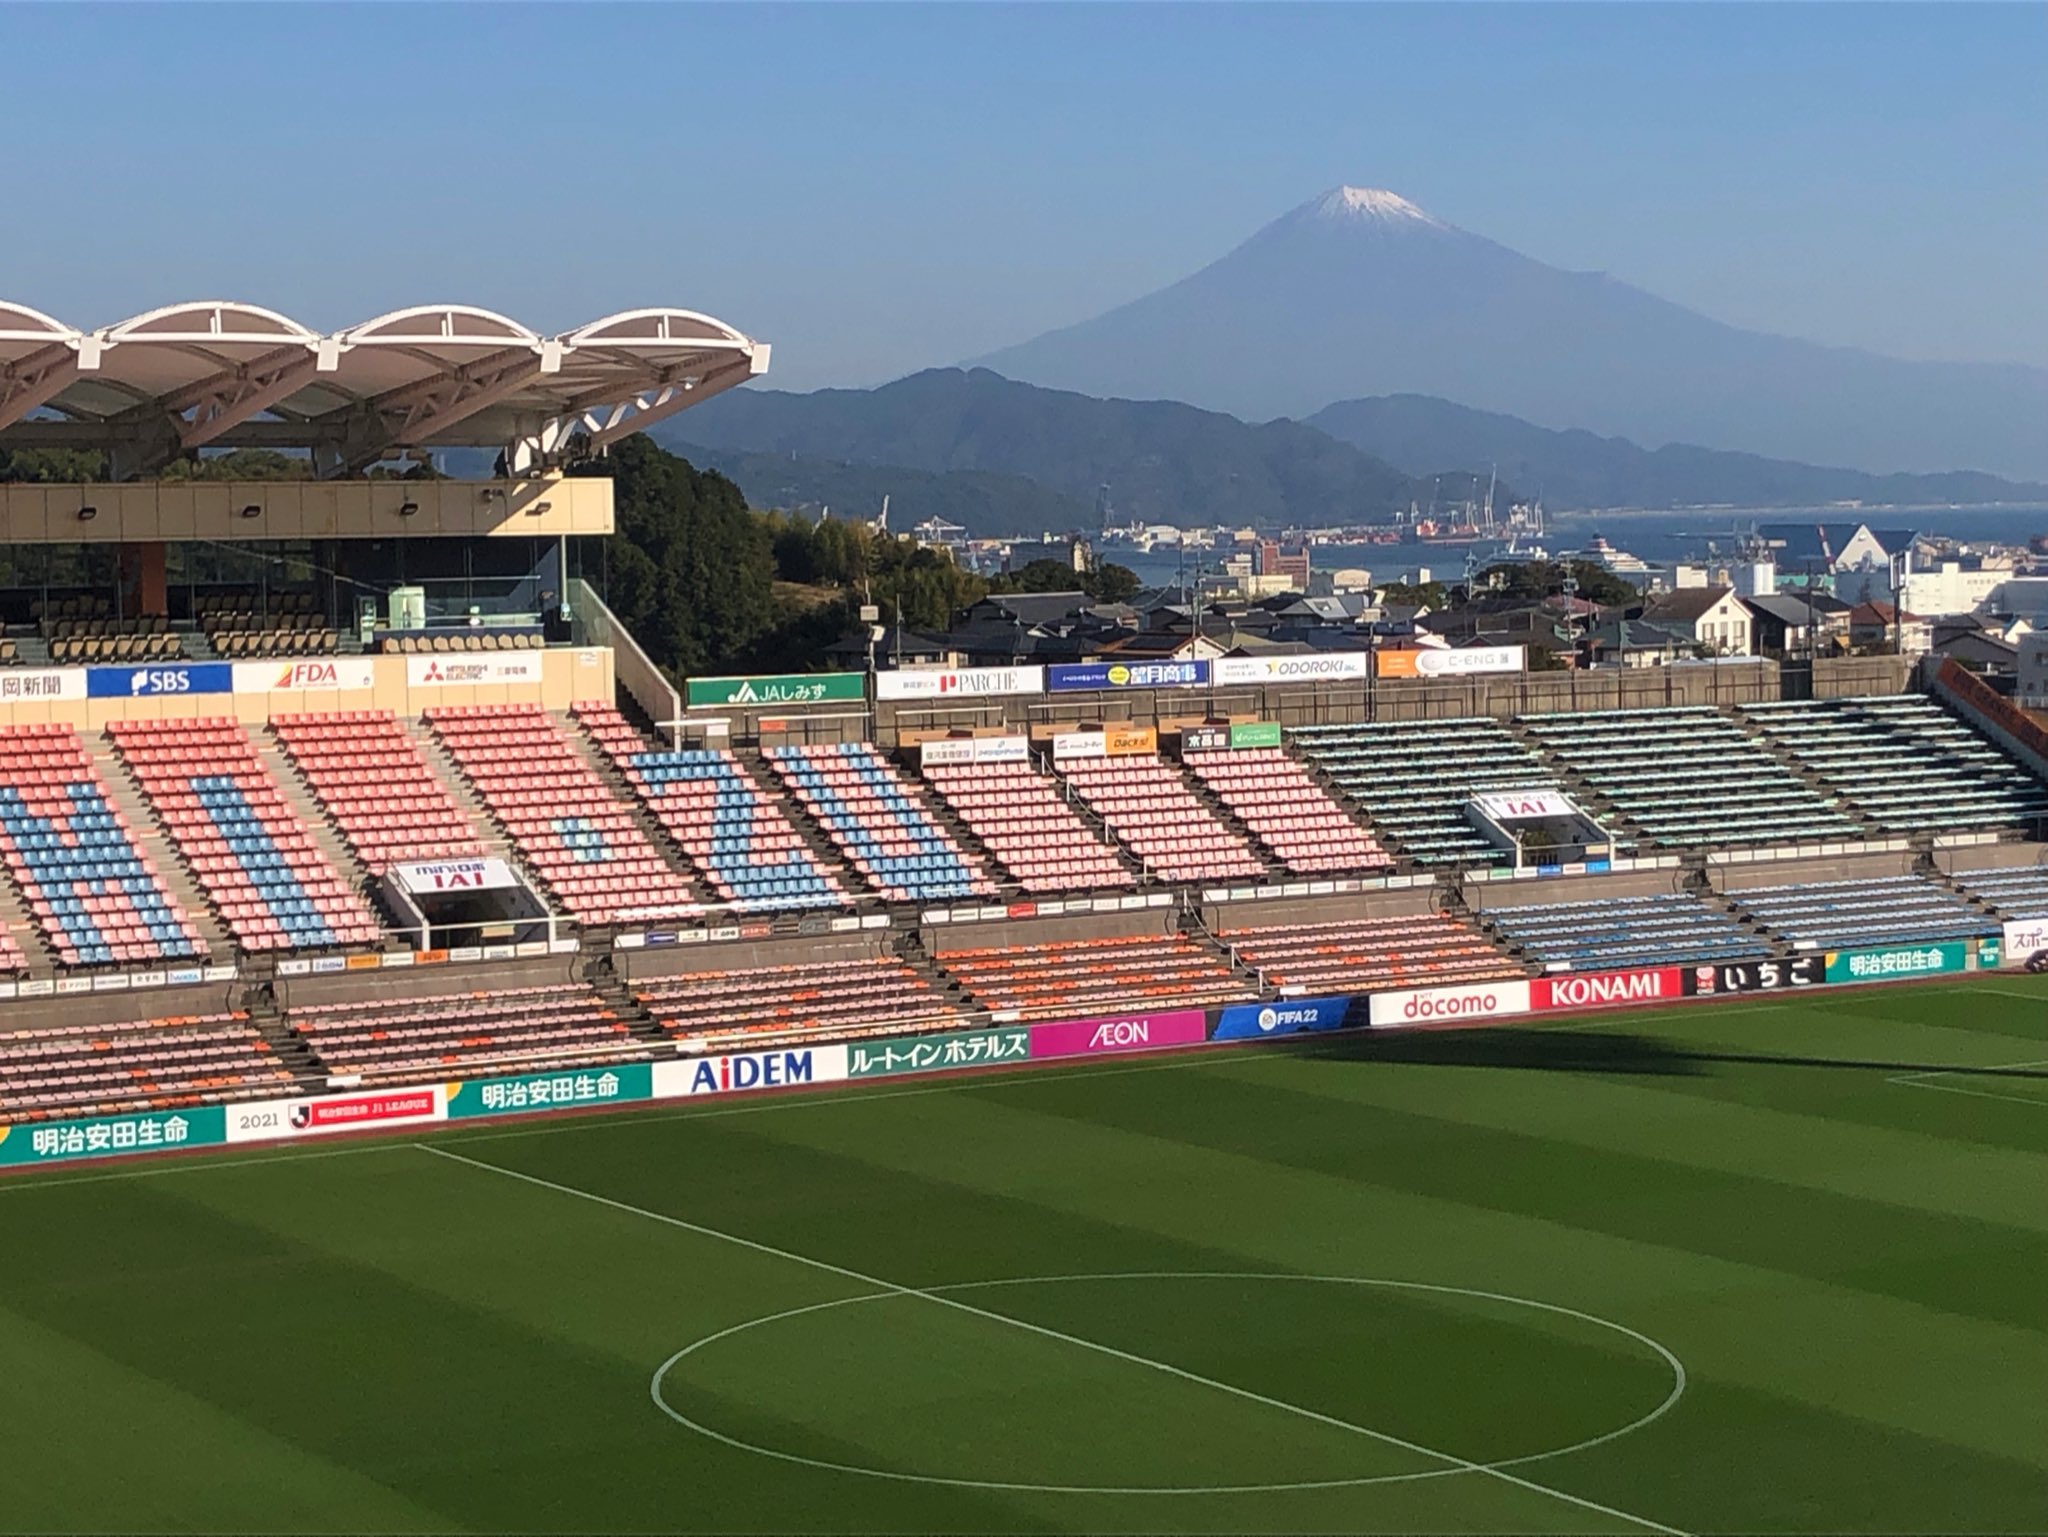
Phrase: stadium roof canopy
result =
(226, 375)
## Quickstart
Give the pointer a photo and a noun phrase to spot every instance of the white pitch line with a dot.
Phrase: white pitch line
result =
(1054, 1334)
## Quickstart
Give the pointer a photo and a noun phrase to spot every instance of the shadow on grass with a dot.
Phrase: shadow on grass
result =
(1596, 1051)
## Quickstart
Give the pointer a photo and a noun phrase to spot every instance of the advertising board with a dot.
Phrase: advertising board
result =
(977, 749)
(1756, 976)
(454, 875)
(1290, 669)
(1205, 739)
(1471, 1004)
(274, 1119)
(325, 674)
(745, 1071)
(1110, 742)
(2023, 941)
(1258, 733)
(1284, 1016)
(958, 682)
(938, 1053)
(550, 1091)
(112, 1136)
(1523, 805)
(1606, 989)
(160, 681)
(1449, 661)
(1123, 1032)
(1068, 677)
(455, 671)
(781, 689)
(31, 685)
(1896, 962)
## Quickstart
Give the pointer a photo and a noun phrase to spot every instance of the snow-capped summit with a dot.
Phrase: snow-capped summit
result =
(1370, 203)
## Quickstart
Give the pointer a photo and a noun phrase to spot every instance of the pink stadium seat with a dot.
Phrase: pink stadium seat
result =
(369, 776)
(1023, 820)
(1287, 810)
(1152, 809)
(505, 1030)
(872, 813)
(58, 1072)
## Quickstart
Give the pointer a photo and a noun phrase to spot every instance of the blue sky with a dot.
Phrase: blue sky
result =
(876, 189)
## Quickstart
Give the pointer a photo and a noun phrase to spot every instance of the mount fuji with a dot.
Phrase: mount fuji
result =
(1360, 292)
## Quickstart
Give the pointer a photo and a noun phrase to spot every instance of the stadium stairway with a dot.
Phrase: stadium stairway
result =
(474, 811)
(178, 880)
(306, 808)
(1218, 808)
(816, 839)
(1804, 772)
(599, 762)
(1627, 836)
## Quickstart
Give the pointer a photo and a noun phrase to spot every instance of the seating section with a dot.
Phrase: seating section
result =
(1690, 777)
(1414, 777)
(493, 637)
(1023, 820)
(280, 624)
(2016, 891)
(1905, 763)
(1150, 807)
(579, 837)
(96, 897)
(1894, 909)
(850, 996)
(1075, 978)
(736, 838)
(370, 777)
(515, 1029)
(1366, 954)
(1658, 929)
(873, 815)
(260, 866)
(56, 1072)
(1287, 810)
(12, 959)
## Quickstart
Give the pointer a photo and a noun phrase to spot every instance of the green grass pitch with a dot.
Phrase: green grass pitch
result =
(1776, 1264)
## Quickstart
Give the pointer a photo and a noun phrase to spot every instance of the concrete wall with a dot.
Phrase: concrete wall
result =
(1792, 872)
(1482, 895)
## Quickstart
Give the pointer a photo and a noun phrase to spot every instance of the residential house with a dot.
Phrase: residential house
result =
(1713, 618)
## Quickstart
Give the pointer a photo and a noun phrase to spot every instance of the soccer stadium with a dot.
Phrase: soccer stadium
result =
(454, 1075)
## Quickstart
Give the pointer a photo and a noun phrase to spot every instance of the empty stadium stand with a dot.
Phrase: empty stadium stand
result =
(2015, 891)
(1880, 910)
(1078, 977)
(1902, 761)
(260, 867)
(1024, 822)
(60, 1071)
(280, 624)
(1161, 820)
(734, 836)
(874, 816)
(1690, 777)
(516, 1029)
(1657, 929)
(95, 896)
(1362, 954)
(370, 778)
(853, 995)
(1413, 779)
(1287, 811)
(578, 837)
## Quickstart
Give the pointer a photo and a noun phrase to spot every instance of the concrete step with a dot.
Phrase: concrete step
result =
(179, 882)
(442, 766)
(649, 824)
(306, 807)
(808, 827)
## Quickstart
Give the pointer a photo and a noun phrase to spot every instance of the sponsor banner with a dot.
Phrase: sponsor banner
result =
(1068, 677)
(1523, 805)
(2023, 941)
(33, 685)
(958, 683)
(1127, 1032)
(1287, 1016)
(165, 679)
(787, 688)
(1472, 1004)
(1205, 739)
(1259, 733)
(979, 749)
(1894, 962)
(321, 674)
(1110, 742)
(743, 1071)
(551, 1091)
(1290, 669)
(1449, 661)
(270, 1120)
(454, 875)
(461, 669)
(1605, 989)
(937, 1053)
(112, 1136)
(1756, 976)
